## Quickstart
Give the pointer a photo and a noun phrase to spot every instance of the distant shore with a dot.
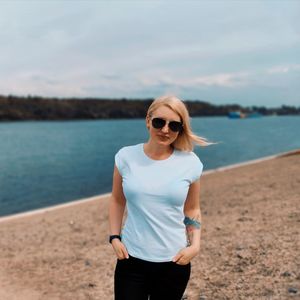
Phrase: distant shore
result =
(14, 108)
(249, 246)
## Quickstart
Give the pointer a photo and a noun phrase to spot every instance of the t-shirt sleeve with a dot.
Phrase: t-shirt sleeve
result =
(197, 169)
(119, 161)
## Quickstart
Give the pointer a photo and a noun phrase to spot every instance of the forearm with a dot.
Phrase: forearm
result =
(193, 228)
(116, 212)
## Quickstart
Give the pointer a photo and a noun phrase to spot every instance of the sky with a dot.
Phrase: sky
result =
(222, 52)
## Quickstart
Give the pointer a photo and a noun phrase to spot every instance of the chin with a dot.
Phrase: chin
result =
(164, 142)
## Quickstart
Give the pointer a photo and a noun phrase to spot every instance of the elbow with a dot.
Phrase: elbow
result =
(121, 201)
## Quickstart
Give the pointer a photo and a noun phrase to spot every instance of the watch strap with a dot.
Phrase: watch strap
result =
(115, 236)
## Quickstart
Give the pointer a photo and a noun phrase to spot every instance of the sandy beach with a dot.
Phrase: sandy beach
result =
(250, 242)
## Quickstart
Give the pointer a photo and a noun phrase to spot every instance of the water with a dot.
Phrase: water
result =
(46, 163)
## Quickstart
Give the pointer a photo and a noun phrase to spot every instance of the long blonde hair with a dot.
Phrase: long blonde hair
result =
(186, 138)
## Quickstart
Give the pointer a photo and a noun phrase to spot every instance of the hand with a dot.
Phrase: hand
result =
(184, 256)
(120, 249)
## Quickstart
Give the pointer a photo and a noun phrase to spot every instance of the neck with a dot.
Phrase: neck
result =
(158, 150)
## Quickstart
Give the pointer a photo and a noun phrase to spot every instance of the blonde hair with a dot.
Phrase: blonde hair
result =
(186, 138)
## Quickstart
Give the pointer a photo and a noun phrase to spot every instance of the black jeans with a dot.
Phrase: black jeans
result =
(137, 279)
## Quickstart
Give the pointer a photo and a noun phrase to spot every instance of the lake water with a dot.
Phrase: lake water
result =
(47, 163)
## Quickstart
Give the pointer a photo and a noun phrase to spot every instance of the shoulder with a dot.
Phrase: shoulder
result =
(127, 150)
(189, 156)
(123, 155)
(193, 164)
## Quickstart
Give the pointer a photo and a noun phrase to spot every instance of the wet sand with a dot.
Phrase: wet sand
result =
(249, 247)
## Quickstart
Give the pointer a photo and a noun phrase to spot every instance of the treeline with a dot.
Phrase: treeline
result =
(14, 108)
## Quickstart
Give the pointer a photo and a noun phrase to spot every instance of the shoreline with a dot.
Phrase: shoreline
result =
(249, 241)
(98, 197)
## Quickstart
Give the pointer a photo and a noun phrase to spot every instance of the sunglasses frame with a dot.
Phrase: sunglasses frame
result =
(167, 122)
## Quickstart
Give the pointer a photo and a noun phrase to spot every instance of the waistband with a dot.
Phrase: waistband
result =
(147, 261)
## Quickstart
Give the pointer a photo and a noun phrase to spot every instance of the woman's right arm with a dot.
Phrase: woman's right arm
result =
(116, 211)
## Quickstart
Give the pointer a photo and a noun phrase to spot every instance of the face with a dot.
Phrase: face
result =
(164, 136)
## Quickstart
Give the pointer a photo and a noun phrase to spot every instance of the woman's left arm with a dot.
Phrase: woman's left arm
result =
(192, 215)
(193, 225)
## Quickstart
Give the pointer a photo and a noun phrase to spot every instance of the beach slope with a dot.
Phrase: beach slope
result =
(249, 247)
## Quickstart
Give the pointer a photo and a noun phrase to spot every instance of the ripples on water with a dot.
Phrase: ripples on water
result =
(46, 163)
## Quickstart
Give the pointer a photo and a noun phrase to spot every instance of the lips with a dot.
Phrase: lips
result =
(163, 136)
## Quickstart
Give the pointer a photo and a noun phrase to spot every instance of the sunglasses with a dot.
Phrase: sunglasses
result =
(159, 123)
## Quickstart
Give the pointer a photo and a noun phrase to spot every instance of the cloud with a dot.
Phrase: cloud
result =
(128, 49)
(223, 80)
(228, 80)
(284, 69)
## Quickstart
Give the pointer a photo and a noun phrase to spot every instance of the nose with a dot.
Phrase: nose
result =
(165, 128)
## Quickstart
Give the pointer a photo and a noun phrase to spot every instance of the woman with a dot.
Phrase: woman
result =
(159, 183)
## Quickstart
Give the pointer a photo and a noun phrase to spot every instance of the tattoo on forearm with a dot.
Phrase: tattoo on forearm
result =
(191, 225)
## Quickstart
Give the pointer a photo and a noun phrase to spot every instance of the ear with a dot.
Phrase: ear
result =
(148, 122)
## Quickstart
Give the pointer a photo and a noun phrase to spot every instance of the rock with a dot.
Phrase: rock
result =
(239, 269)
(239, 247)
(292, 290)
(268, 293)
(91, 284)
(243, 219)
(263, 252)
(87, 263)
(286, 274)
(244, 254)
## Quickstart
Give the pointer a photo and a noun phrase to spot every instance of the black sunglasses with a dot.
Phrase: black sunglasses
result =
(159, 123)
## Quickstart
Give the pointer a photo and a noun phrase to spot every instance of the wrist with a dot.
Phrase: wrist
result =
(195, 247)
(115, 242)
(113, 237)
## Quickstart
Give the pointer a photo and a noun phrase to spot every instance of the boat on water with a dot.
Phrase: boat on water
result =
(236, 115)
(241, 115)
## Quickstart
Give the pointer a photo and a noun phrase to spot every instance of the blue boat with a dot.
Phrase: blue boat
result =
(240, 115)
(236, 115)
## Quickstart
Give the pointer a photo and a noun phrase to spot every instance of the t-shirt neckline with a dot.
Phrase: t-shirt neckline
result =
(156, 160)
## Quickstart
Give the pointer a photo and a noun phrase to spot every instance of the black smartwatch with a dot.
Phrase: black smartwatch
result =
(111, 237)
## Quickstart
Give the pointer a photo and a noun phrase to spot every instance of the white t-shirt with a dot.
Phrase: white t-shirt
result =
(155, 192)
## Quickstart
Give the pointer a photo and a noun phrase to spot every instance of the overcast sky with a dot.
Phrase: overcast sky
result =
(245, 52)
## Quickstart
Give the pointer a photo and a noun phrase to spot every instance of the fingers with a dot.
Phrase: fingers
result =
(120, 250)
(177, 257)
(182, 261)
(125, 253)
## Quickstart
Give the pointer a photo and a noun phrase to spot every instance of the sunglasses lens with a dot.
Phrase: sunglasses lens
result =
(175, 126)
(158, 123)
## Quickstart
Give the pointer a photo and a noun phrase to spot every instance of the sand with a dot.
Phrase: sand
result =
(250, 242)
